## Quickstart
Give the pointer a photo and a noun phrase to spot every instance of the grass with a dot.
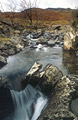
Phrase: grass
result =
(4, 40)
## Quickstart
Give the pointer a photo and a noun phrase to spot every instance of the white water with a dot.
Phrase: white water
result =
(28, 104)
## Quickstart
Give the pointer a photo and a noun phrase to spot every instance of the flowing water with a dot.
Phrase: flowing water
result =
(18, 65)
(30, 101)
(28, 104)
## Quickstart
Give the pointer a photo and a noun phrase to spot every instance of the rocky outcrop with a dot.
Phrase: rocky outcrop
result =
(63, 103)
(47, 78)
(35, 68)
(62, 91)
(70, 40)
(3, 61)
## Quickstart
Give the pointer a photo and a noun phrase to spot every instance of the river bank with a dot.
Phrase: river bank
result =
(18, 40)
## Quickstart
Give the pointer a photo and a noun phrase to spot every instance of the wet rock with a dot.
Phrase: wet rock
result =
(29, 78)
(49, 77)
(34, 69)
(61, 38)
(29, 37)
(6, 103)
(3, 81)
(11, 51)
(3, 61)
(47, 35)
(74, 106)
(58, 27)
(51, 42)
(60, 106)
(46, 79)
(37, 35)
(18, 46)
(41, 40)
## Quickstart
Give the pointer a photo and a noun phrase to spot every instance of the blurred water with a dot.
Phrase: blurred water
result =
(28, 104)
(18, 65)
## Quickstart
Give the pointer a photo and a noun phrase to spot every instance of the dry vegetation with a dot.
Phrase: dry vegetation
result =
(44, 17)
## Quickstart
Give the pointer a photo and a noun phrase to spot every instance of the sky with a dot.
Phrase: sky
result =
(51, 3)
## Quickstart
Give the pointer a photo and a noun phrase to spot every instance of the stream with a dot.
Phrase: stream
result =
(26, 102)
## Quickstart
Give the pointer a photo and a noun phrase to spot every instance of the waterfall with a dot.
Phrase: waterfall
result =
(28, 104)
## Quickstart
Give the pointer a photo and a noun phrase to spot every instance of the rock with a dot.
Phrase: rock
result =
(61, 38)
(18, 46)
(46, 79)
(76, 53)
(49, 77)
(41, 40)
(34, 69)
(3, 81)
(11, 51)
(51, 42)
(74, 106)
(29, 78)
(29, 37)
(58, 27)
(64, 97)
(6, 103)
(36, 35)
(47, 35)
(17, 32)
(75, 43)
(70, 40)
(3, 61)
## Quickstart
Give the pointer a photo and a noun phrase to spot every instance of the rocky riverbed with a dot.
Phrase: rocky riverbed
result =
(61, 90)
(12, 44)
(58, 35)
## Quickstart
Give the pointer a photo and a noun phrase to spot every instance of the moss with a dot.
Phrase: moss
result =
(4, 40)
(1, 27)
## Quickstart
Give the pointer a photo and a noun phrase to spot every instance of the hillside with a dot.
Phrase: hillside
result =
(64, 16)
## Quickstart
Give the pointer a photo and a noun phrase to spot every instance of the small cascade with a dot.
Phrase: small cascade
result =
(28, 104)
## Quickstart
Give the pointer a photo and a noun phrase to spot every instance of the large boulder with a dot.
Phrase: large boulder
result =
(70, 40)
(63, 104)
(34, 69)
(47, 78)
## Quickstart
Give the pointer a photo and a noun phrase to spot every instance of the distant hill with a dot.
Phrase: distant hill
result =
(52, 15)
(60, 9)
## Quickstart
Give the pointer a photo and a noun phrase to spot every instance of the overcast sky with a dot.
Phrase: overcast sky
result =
(53, 3)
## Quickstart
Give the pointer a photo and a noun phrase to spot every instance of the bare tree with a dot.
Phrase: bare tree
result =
(75, 18)
(27, 8)
(36, 15)
(11, 9)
